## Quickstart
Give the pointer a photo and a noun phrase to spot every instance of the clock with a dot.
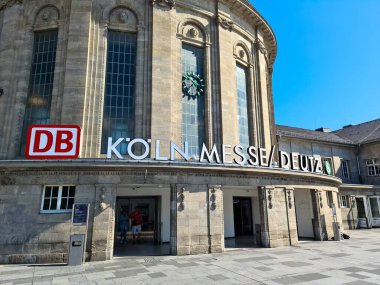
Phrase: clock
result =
(192, 84)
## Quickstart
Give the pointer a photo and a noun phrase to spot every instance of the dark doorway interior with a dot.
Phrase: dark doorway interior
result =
(243, 216)
(150, 242)
(361, 208)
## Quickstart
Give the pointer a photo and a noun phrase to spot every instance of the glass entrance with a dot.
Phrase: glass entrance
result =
(362, 213)
(130, 239)
(375, 210)
(242, 216)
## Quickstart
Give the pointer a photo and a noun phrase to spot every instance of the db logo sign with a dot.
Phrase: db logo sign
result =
(53, 141)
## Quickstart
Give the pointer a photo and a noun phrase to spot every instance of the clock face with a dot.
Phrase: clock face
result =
(192, 84)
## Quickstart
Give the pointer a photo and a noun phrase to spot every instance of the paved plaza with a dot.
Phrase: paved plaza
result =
(353, 261)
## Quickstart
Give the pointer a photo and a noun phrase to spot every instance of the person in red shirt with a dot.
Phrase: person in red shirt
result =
(136, 218)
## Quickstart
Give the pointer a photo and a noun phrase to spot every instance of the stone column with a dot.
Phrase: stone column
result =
(291, 214)
(73, 100)
(317, 204)
(264, 204)
(216, 218)
(192, 230)
(173, 218)
(103, 225)
(278, 221)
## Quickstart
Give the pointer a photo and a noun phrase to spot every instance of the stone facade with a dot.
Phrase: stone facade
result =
(354, 146)
(192, 194)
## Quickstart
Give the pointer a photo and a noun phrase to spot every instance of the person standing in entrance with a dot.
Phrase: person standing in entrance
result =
(123, 224)
(136, 224)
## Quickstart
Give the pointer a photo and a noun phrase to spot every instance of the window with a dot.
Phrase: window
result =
(329, 197)
(241, 80)
(41, 82)
(193, 113)
(119, 98)
(58, 198)
(345, 169)
(375, 202)
(327, 166)
(373, 166)
(344, 201)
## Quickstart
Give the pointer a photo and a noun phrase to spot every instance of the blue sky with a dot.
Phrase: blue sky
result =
(327, 71)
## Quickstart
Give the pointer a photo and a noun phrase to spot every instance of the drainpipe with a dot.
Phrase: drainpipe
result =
(358, 164)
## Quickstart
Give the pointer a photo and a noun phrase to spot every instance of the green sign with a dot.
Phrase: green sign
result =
(192, 84)
(328, 167)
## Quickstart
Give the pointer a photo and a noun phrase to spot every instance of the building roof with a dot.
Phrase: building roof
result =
(311, 135)
(362, 133)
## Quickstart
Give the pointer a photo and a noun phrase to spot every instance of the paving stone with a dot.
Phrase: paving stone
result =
(217, 277)
(295, 263)
(310, 276)
(353, 269)
(360, 282)
(357, 276)
(287, 280)
(157, 275)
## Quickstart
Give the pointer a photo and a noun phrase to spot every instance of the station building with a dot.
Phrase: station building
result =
(174, 104)
(352, 154)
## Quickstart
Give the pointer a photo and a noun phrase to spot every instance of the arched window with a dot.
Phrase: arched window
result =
(242, 100)
(40, 89)
(119, 99)
(193, 99)
(243, 92)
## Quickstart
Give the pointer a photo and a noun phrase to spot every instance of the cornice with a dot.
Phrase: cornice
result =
(22, 167)
(8, 3)
(255, 18)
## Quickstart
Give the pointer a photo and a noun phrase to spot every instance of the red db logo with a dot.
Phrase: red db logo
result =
(53, 141)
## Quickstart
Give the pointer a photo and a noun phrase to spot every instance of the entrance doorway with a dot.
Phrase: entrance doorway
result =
(304, 213)
(363, 218)
(243, 216)
(150, 239)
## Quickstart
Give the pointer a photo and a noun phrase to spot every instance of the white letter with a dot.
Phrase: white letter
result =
(284, 160)
(225, 153)
(263, 156)
(294, 160)
(311, 163)
(136, 157)
(158, 157)
(318, 164)
(184, 154)
(112, 148)
(252, 153)
(304, 162)
(214, 153)
(238, 150)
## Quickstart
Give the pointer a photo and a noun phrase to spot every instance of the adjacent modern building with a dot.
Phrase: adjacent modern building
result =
(173, 100)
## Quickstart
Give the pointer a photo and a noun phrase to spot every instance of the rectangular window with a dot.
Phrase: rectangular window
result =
(193, 113)
(327, 166)
(345, 169)
(41, 81)
(373, 166)
(57, 199)
(241, 82)
(119, 98)
(374, 202)
(344, 201)
(329, 197)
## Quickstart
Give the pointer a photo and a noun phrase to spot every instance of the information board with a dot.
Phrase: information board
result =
(80, 214)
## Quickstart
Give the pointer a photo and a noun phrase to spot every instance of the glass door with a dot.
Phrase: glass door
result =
(374, 202)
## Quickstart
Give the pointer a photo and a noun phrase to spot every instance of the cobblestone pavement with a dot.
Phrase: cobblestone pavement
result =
(353, 261)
